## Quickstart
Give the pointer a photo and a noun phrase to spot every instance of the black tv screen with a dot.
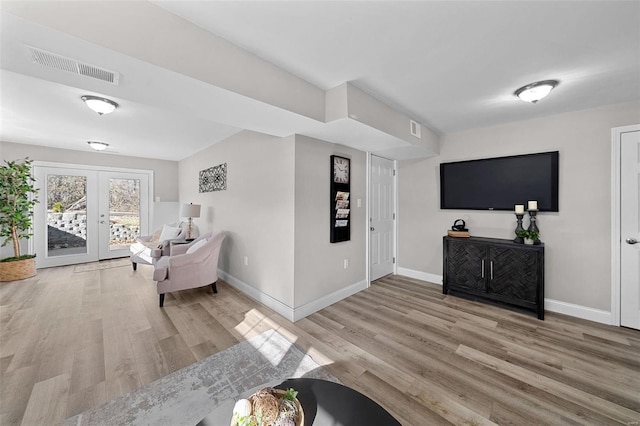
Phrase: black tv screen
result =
(501, 183)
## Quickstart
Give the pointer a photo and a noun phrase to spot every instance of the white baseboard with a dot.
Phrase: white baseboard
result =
(328, 300)
(292, 314)
(578, 311)
(551, 305)
(419, 275)
(281, 308)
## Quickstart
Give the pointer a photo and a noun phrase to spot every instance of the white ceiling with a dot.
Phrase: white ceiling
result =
(449, 65)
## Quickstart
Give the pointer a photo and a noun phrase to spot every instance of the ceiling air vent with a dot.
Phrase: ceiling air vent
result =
(53, 60)
(414, 128)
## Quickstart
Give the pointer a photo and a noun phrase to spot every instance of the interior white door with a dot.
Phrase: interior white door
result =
(382, 220)
(630, 229)
(85, 214)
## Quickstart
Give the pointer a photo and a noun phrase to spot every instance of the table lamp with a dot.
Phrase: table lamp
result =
(190, 210)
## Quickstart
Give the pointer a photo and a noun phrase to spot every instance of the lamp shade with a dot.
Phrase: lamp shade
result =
(190, 210)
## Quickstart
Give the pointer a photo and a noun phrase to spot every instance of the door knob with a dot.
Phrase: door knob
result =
(373, 229)
(631, 241)
(102, 221)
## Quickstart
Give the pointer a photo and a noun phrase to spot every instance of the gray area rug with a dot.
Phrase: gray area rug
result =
(208, 388)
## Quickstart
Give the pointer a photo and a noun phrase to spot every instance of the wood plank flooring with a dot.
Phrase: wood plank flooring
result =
(71, 340)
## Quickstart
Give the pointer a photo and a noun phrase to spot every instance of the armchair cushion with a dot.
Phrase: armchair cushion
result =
(169, 233)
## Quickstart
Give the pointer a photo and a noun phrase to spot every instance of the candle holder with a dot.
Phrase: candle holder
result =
(533, 227)
(517, 239)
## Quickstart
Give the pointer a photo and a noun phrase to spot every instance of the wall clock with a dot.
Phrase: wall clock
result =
(340, 169)
(340, 194)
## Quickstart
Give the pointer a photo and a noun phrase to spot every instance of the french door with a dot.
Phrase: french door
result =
(87, 214)
(382, 218)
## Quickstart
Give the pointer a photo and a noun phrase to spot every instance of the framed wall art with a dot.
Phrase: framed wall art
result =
(213, 178)
(340, 201)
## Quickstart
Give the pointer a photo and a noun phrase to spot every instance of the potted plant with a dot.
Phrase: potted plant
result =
(17, 200)
(530, 237)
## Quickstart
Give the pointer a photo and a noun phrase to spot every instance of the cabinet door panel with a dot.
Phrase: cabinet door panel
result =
(515, 273)
(464, 265)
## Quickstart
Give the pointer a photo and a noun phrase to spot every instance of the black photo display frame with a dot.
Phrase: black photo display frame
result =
(340, 202)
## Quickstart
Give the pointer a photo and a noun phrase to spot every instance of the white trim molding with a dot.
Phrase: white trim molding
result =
(550, 305)
(578, 311)
(419, 275)
(328, 300)
(293, 314)
(272, 303)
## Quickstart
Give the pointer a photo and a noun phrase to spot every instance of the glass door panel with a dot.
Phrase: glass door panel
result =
(124, 211)
(65, 230)
(66, 215)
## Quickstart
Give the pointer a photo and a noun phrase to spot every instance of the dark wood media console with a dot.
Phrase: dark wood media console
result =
(495, 269)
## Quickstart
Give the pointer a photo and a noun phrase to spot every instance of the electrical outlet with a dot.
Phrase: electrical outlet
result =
(246, 261)
(346, 263)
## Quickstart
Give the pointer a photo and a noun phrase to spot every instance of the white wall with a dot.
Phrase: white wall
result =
(319, 270)
(256, 211)
(577, 238)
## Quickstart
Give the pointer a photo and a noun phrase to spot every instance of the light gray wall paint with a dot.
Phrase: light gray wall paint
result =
(165, 173)
(319, 267)
(256, 211)
(577, 238)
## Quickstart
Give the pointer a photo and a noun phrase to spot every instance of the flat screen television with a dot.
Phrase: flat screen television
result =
(501, 183)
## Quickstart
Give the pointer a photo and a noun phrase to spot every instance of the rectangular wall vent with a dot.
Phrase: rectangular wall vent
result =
(415, 128)
(53, 60)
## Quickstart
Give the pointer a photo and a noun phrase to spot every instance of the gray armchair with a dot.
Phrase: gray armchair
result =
(149, 249)
(189, 265)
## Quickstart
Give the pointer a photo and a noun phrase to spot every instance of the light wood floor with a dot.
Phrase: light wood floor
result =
(70, 341)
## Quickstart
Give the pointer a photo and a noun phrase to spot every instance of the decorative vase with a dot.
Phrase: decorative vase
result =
(17, 269)
(528, 241)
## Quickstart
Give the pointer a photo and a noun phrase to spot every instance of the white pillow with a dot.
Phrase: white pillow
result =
(169, 233)
(196, 246)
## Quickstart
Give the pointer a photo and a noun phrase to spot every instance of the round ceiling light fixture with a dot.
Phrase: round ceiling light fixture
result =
(535, 91)
(100, 105)
(98, 146)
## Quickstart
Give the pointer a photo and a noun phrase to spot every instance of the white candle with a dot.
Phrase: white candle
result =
(519, 208)
(533, 205)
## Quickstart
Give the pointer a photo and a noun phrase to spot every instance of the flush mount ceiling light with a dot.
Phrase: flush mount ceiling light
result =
(98, 146)
(100, 105)
(535, 91)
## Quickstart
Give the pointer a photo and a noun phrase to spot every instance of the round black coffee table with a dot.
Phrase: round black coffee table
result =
(329, 404)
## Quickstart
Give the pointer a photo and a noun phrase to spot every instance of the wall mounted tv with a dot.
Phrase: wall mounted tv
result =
(500, 183)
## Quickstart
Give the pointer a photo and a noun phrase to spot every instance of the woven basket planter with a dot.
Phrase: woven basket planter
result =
(17, 270)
